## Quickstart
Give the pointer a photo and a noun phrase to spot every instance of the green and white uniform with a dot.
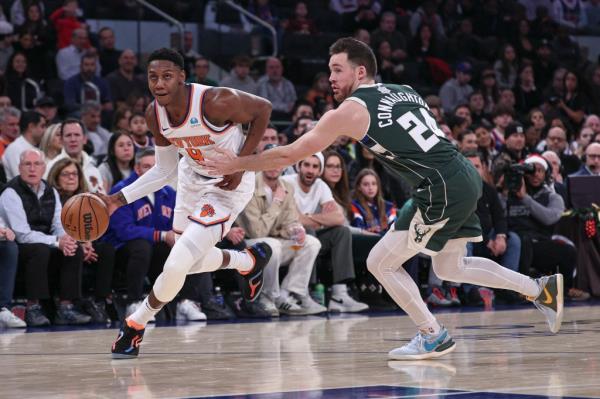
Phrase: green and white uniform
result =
(405, 137)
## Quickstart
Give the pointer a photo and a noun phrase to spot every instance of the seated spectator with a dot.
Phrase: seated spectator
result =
(277, 89)
(119, 161)
(140, 133)
(240, 78)
(302, 125)
(200, 76)
(369, 210)
(271, 216)
(387, 31)
(32, 125)
(467, 141)
(591, 166)
(121, 120)
(582, 140)
(513, 151)
(142, 233)
(507, 98)
(457, 90)
(9, 256)
(269, 137)
(17, 72)
(51, 144)
(389, 70)
(556, 141)
(73, 139)
(477, 107)
(124, 82)
(320, 216)
(498, 243)
(464, 112)
(301, 108)
(527, 95)
(47, 107)
(32, 210)
(300, 22)
(556, 181)
(506, 67)
(572, 105)
(35, 55)
(90, 117)
(66, 177)
(533, 211)
(87, 86)
(537, 122)
(9, 127)
(485, 144)
(66, 22)
(68, 59)
(502, 117)
(320, 91)
(423, 45)
(489, 89)
(108, 54)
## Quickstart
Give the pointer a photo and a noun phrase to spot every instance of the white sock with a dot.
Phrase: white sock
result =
(143, 314)
(431, 328)
(240, 260)
(339, 289)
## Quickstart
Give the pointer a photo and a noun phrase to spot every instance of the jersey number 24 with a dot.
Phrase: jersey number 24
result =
(417, 129)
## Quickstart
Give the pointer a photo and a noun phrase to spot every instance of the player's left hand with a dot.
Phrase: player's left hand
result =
(221, 163)
(230, 182)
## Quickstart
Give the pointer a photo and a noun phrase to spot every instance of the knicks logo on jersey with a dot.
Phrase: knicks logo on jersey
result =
(191, 143)
(207, 211)
(144, 211)
(166, 211)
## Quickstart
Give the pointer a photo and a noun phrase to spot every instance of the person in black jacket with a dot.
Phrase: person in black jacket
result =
(498, 243)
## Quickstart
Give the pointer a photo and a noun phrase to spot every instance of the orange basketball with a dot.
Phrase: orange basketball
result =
(85, 217)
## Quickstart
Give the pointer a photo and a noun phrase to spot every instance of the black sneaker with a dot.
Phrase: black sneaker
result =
(97, 310)
(34, 317)
(253, 279)
(128, 341)
(215, 311)
(66, 314)
(246, 309)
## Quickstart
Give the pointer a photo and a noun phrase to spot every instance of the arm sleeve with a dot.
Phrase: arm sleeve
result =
(17, 220)
(547, 215)
(156, 178)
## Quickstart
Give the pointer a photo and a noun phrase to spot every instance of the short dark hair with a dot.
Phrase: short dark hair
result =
(144, 152)
(472, 154)
(358, 53)
(464, 133)
(71, 121)
(167, 54)
(28, 118)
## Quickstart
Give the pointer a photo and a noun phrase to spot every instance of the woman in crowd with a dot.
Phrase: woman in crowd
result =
(66, 176)
(489, 89)
(370, 211)
(17, 72)
(573, 101)
(527, 94)
(506, 67)
(51, 144)
(119, 160)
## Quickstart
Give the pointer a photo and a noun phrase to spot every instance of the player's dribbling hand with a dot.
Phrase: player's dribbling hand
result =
(230, 182)
(220, 163)
(113, 202)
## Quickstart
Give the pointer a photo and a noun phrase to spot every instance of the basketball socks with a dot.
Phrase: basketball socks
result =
(240, 260)
(142, 315)
(432, 328)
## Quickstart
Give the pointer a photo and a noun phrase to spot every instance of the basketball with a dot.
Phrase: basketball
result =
(85, 217)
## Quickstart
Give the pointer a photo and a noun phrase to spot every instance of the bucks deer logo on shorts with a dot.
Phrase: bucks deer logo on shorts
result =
(207, 210)
(421, 231)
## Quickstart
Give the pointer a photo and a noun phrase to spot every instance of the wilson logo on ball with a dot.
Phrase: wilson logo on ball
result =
(87, 225)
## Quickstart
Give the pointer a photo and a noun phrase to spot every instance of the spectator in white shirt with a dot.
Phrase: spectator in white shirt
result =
(33, 125)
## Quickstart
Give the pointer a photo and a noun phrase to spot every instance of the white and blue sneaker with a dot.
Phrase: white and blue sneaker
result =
(425, 346)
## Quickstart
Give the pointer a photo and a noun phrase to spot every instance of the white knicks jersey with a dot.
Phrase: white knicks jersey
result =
(196, 137)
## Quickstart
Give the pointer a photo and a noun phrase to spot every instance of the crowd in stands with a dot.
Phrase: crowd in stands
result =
(506, 81)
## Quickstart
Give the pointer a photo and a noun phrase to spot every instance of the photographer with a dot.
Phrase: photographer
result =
(513, 151)
(533, 209)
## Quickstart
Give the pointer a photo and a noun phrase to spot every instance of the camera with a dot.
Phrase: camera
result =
(553, 100)
(513, 176)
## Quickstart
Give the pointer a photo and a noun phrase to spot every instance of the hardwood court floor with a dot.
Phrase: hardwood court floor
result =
(501, 354)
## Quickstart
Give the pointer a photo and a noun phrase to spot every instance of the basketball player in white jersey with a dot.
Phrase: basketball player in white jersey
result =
(191, 120)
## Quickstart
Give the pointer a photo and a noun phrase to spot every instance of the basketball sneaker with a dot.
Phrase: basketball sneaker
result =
(425, 346)
(253, 279)
(127, 345)
(550, 300)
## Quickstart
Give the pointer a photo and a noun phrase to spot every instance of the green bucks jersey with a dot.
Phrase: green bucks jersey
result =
(403, 134)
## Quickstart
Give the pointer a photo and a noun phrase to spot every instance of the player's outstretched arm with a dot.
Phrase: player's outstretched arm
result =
(154, 179)
(350, 119)
(223, 105)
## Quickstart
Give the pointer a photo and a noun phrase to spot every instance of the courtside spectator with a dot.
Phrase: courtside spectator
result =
(32, 210)
(9, 256)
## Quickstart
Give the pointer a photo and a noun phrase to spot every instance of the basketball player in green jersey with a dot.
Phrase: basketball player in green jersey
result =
(394, 123)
